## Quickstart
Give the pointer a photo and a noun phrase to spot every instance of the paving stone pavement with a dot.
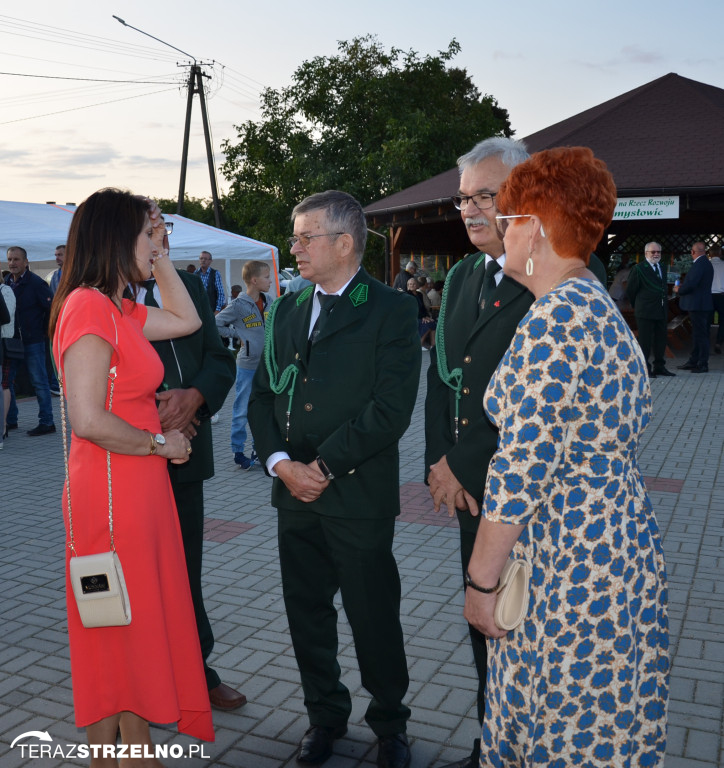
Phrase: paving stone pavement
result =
(681, 457)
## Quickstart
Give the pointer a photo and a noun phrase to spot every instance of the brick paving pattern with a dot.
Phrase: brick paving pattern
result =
(681, 457)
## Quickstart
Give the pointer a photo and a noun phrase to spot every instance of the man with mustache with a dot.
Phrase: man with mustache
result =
(482, 309)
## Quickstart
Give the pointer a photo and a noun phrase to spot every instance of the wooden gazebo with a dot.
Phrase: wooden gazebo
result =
(660, 140)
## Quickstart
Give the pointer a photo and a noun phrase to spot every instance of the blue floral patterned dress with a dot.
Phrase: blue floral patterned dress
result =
(584, 680)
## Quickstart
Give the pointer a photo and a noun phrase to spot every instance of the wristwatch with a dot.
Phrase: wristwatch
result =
(156, 440)
(324, 469)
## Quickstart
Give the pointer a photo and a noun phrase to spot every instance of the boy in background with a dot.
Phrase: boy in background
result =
(244, 318)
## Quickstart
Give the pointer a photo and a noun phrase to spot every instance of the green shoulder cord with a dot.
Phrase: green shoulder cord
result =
(288, 378)
(454, 378)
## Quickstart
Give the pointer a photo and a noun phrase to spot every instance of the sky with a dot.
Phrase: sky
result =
(62, 138)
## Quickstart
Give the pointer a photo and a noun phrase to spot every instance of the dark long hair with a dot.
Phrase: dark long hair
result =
(101, 249)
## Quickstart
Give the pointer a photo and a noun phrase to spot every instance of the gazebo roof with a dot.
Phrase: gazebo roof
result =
(659, 138)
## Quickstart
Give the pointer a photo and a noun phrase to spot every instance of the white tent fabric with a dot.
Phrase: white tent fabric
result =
(39, 228)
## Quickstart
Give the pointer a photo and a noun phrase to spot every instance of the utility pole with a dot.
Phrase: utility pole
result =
(195, 85)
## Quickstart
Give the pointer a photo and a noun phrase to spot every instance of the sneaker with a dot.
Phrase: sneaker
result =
(55, 392)
(42, 429)
(253, 456)
(243, 461)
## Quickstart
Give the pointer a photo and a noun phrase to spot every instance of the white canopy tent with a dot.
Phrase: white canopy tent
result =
(39, 228)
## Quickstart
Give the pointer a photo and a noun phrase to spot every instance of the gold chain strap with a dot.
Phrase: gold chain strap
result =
(112, 378)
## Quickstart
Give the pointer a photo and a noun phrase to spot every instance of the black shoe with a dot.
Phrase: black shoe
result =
(687, 366)
(9, 427)
(664, 372)
(652, 375)
(466, 762)
(700, 369)
(42, 429)
(717, 349)
(316, 744)
(393, 751)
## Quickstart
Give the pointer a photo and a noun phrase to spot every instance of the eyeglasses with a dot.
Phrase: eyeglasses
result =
(503, 220)
(304, 240)
(653, 253)
(482, 200)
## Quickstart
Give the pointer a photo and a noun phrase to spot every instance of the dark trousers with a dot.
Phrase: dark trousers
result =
(320, 556)
(652, 335)
(700, 324)
(190, 506)
(718, 299)
(477, 639)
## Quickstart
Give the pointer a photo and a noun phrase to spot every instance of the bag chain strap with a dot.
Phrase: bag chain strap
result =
(111, 378)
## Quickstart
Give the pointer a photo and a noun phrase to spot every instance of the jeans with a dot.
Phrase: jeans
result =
(35, 362)
(244, 378)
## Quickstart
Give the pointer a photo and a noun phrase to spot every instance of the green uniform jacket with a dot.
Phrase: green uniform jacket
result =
(648, 293)
(476, 343)
(353, 398)
(199, 360)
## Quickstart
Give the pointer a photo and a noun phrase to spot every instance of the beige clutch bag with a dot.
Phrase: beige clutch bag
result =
(512, 604)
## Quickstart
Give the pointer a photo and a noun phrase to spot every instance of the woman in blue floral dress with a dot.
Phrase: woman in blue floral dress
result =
(584, 679)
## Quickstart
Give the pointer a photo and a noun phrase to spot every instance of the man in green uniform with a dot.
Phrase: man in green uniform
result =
(198, 373)
(647, 292)
(480, 311)
(329, 403)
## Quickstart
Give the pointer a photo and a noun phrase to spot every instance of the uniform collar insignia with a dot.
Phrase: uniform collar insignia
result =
(359, 295)
(305, 294)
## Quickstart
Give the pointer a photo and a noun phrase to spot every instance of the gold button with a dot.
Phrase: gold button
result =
(296, 357)
(467, 359)
(304, 380)
(308, 406)
(464, 422)
(466, 390)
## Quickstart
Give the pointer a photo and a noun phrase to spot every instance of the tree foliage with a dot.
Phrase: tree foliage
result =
(366, 121)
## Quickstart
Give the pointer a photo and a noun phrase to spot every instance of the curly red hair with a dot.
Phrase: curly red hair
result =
(570, 190)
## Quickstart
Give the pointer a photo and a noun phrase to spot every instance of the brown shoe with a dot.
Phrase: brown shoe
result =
(224, 697)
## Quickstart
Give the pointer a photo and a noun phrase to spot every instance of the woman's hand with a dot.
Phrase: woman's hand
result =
(480, 612)
(177, 448)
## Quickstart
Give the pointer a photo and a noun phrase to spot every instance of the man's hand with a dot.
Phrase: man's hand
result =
(445, 489)
(177, 409)
(304, 481)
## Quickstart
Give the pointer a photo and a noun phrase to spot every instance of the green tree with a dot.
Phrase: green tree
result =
(366, 121)
(196, 208)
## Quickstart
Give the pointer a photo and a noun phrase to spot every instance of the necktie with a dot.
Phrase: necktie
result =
(149, 301)
(489, 283)
(326, 304)
(657, 270)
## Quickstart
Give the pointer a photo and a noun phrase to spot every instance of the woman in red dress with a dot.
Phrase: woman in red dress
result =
(151, 669)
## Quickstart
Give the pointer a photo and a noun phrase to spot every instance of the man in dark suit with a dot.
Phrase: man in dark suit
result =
(480, 312)
(328, 406)
(199, 371)
(695, 298)
(647, 292)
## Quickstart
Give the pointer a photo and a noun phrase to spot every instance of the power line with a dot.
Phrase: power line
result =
(89, 79)
(87, 106)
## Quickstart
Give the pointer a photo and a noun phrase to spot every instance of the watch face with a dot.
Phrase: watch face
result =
(160, 439)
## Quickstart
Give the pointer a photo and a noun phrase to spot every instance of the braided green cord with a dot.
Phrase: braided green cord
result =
(277, 383)
(454, 378)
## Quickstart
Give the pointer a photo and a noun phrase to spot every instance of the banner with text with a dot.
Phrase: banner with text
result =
(647, 208)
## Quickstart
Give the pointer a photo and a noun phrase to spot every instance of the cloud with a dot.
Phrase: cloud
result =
(635, 55)
(499, 55)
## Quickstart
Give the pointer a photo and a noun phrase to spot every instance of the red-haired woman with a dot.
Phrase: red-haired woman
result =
(583, 680)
